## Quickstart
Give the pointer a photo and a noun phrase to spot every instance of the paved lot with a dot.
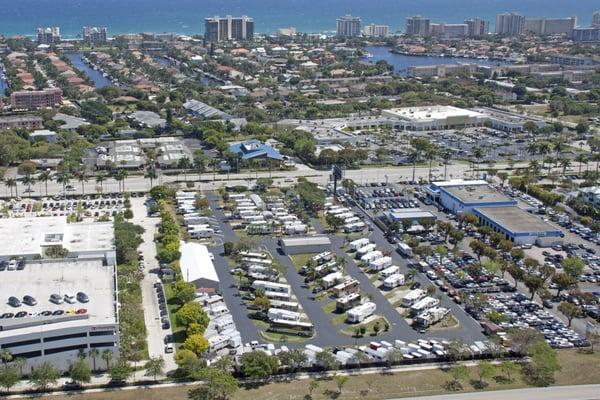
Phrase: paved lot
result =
(229, 289)
(326, 334)
(468, 330)
(156, 334)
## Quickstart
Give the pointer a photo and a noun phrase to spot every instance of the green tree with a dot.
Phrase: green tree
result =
(458, 372)
(573, 266)
(334, 222)
(121, 371)
(192, 312)
(258, 364)
(196, 343)
(508, 368)
(154, 367)
(107, 356)
(327, 360)
(185, 292)
(80, 372)
(9, 377)
(544, 364)
(563, 281)
(485, 371)
(292, 359)
(340, 381)
(218, 385)
(44, 375)
(570, 311)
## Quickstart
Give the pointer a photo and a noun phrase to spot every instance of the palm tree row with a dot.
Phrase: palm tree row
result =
(65, 178)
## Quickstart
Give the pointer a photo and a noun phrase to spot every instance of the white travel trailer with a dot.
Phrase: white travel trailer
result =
(361, 312)
(380, 263)
(412, 297)
(424, 304)
(373, 255)
(431, 316)
(393, 281)
(366, 249)
(354, 227)
(281, 314)
(405, 250)
(389, 271)
(359, 243)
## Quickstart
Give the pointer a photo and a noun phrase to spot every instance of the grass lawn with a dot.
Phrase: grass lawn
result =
(448, 322)
(179, 334)
(339, 318)
(578, 369)
(349, 331)
(300, 260)
(275, 337)
(329, 307)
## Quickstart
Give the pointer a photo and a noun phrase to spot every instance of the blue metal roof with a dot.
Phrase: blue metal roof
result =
(254, 149)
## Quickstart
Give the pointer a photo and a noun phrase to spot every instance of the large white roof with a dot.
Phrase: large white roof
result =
(195, 263)
(28, 236)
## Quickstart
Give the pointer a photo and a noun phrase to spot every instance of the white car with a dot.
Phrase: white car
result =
(69, 298)
(169, 348)
(12, 265)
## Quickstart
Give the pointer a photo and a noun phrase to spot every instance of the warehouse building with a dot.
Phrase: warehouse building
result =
(460, 196)
(435, 117)
(74, 308)
(31, 237)
(305, 245)
(519, 226)
(197, 267)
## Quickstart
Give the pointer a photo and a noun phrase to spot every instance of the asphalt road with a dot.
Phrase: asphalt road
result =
(282, 178)
(155, 333)
(582, 392)
(229, 289)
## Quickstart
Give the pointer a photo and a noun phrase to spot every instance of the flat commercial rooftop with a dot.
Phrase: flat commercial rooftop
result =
(42, 279)
(28, 236)
(431, 113)
(306, 241)
(515, 219)
(470, 194)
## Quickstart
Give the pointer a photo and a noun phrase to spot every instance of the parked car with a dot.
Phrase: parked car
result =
(14, 302)
(30, 301)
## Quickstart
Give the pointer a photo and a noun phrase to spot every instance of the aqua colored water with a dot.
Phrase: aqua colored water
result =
(186, 16)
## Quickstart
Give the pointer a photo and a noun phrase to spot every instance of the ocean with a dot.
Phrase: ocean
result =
(22, 17)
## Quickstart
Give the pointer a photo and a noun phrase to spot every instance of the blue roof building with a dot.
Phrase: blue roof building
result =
(253, 149)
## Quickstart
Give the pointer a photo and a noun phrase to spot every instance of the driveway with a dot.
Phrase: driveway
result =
(155, 334)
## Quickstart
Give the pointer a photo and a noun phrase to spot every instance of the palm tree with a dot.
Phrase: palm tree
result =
(5, 356)
(430, 154)
(478, 153)
(549, 160)
(581, 158)
(10, 183)
(100, 178)
(81, 354)
(120, 176)
(535, 166)
(28, 180)
(94, 353)
(45, 176)
(64, 178)
(564, 163)
(446, 156)
(107, 356)
(414, 156)
(82, 178)
(151, 174)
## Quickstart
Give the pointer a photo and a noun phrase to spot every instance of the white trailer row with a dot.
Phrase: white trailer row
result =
(393, 281)
(412, 297)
